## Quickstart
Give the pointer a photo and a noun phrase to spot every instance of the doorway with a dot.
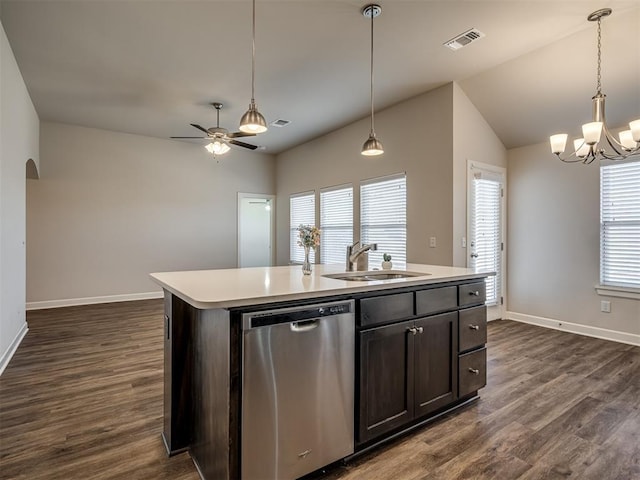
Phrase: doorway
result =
(256, 229)
(486, 227)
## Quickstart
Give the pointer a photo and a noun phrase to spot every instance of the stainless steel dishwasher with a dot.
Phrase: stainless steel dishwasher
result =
(297, 389)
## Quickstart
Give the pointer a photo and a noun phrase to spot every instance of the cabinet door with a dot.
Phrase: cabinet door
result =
(436, 362)
(386, 379)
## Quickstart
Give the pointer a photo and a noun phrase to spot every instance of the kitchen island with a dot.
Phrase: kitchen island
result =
(401, 352)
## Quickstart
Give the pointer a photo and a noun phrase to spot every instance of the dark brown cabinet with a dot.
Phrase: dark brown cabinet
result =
(407, 370)
(419, 352)
(436, 362)
(473, 371)
(473, 328)
(386, 379)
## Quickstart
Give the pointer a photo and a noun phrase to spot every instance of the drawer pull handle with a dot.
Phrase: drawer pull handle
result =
(475, 294)
(474, 371)
(474, 327)
(412, 330)
(304, 454)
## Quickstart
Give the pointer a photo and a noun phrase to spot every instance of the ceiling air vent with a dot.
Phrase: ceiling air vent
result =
(280, 123)
(464, 39)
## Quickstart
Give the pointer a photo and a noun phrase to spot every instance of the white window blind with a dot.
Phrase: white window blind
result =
(336, 223)
(383, 219)
(486, 230)
(302, 211)
(620, 224)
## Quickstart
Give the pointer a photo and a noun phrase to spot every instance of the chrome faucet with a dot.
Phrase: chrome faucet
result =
(354, 255)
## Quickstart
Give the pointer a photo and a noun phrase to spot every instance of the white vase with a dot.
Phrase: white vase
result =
(387, 265)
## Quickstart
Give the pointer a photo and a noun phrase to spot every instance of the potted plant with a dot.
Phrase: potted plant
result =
(386, 263)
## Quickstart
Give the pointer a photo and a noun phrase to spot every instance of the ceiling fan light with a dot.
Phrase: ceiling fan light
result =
(558, 142)
(635, 129)
(217, 148)
(253, 121)
(372, 146)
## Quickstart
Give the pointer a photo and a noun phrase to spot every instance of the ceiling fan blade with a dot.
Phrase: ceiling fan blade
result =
(240, 134)
(191, 137)
(200, 128)
(242, 144)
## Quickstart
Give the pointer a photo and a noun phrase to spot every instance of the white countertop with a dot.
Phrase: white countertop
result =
(235, 287)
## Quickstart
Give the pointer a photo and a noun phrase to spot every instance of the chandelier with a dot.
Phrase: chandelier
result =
(596, 136)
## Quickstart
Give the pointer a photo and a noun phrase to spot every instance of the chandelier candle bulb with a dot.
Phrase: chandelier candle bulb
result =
(635, 130)
(581, 147)
(592, 132)
(558, 142)
(626, 140)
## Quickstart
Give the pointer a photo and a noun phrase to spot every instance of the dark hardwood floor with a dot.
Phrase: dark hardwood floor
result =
(82, 399)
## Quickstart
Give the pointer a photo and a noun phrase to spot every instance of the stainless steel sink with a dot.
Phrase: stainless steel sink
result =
(373, 275)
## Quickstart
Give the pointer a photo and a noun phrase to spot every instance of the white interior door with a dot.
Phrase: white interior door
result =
(486, 224)
(255, 230)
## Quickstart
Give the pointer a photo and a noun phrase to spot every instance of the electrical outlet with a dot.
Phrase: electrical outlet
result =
(432, 242)
(605, 306)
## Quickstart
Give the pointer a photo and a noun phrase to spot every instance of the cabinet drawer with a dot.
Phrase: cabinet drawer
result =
(472, 293)
(386, 309)
(436, 300)
(472, 371)
(472, 328)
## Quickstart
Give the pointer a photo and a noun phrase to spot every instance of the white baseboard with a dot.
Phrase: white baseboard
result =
(603, 333)
(70, 302)
(6, 356)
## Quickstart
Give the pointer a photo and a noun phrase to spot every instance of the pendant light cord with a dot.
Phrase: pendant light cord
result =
(253, 54)
(371, 12)
(599, 79)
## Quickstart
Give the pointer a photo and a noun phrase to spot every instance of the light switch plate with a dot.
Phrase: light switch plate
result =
(432, 242)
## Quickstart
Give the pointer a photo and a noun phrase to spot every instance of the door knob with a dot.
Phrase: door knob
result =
(474, 327)
(412, 330)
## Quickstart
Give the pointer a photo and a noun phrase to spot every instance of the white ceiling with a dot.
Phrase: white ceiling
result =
(151, 67)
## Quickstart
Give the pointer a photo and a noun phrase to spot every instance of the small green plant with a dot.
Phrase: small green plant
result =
(386, 257)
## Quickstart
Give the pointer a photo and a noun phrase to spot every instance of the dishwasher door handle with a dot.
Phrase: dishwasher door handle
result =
(304, 325)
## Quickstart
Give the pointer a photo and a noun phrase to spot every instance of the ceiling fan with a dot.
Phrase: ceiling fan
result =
(221, 137)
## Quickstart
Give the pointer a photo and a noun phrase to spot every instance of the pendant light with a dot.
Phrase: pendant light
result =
(253, 121)
(372, 146)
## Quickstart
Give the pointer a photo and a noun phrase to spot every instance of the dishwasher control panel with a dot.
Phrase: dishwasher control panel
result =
(295, 314)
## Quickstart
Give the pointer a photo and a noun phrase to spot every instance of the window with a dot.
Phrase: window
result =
(620, 224)
(383, 218)
(302, 211)
(336, 223)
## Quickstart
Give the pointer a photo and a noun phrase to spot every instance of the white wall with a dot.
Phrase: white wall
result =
(553, 231)
(473, 139)
(110, 208)
(18, 143)
(417, 138)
